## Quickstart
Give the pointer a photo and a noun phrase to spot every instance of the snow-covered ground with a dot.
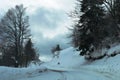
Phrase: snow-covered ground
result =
(68, 66)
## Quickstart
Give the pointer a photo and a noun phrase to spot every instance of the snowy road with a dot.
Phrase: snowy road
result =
(93, 72)
(84, 73)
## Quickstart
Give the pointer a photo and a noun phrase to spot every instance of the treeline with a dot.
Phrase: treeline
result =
(16, 46)
(96, 25)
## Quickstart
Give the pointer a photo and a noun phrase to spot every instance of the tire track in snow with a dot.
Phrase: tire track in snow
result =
(93, 71)
(63, 76)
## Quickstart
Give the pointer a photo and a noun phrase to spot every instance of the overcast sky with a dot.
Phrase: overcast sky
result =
(49, 21)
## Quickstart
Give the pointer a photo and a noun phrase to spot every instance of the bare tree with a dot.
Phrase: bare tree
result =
(113, 8)
(15, 27)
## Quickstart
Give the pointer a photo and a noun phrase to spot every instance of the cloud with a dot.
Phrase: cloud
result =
(45, 18)
(49, 22)
(32, 5)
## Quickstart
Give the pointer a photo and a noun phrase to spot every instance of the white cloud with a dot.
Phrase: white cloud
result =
(34, 4)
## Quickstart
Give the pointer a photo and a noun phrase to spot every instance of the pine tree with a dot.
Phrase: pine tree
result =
(30, 53)
(56, 48)
(90, 24)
